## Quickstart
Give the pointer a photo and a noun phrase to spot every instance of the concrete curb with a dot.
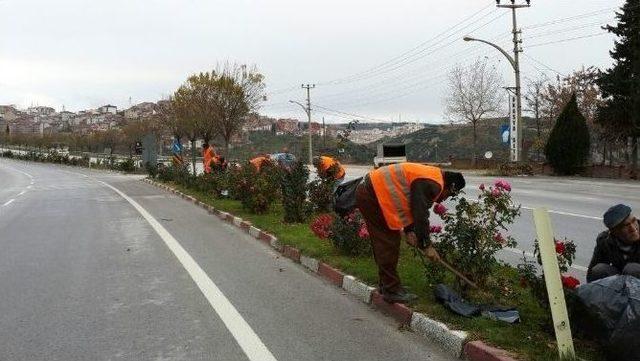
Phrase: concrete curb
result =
(453, 341)
(360, 290)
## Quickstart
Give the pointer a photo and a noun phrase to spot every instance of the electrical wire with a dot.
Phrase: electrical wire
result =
(565, 40)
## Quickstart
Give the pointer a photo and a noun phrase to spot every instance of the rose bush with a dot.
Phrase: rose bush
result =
(531, 277)
(349, 234)
(472, 230)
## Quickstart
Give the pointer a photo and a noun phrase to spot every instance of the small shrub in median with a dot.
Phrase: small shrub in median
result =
(473, 230)
(127, 166)
(293, 185)
(349, 235)
(7, 154)
(255, 190)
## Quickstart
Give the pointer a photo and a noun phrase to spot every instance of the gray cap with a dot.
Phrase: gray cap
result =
(615, 215)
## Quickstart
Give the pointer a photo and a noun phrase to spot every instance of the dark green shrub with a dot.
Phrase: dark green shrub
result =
(152, 169)
(567, 149)
(321, 195)
(293, 185)
(214, 183)
(255, 190)
(7, 154)
(127, 166)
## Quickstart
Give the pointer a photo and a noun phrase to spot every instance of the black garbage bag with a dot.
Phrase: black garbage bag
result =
(609, 311)
(345, 197)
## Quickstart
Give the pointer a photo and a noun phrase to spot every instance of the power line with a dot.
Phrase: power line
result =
(406, 54)
(544, 65)
(570, 18)
(565, 40)
(349, 114)
(563, 30)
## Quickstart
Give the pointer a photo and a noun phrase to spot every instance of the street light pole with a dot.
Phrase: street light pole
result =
(516, 152)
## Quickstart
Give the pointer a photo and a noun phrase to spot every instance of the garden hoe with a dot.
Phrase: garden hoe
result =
(453, 270)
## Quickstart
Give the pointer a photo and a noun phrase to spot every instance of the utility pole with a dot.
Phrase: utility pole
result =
(309, 87)
(324, 135)
(517, 49)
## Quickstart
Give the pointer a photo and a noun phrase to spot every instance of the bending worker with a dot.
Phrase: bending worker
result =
(208, 154)
(329, 167)
(260, 161)
(398, 197)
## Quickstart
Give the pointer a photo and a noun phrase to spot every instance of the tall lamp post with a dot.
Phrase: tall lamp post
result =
(514, 129)
(308, 111)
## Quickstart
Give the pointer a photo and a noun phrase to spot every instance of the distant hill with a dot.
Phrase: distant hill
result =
(435, 143)
(454, 140)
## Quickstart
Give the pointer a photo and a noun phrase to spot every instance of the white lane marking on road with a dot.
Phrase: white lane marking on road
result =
(8, 202)
(531, 255)
(566, 213)
(21, 193)
(248, 340)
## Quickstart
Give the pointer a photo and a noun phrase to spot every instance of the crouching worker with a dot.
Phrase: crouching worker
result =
(618, 248)
(395, 198)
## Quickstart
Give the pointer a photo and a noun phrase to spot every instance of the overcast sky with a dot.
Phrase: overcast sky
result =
(83, 54)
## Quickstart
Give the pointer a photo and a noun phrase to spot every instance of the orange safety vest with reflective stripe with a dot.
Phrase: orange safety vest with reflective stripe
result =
(208, 155)
(328, 162)
(392, 185)
(258, 162)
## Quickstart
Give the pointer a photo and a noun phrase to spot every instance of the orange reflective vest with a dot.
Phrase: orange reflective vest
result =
(392, 185)
(328, 162)
(258, 162)
(207, 156)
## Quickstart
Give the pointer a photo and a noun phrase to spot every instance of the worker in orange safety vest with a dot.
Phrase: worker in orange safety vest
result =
(326, 165)
(397, 198)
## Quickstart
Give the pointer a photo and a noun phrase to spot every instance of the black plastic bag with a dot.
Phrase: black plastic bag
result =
(345, 197)
(609, 311)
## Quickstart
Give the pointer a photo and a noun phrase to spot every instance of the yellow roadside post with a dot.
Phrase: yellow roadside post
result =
(553, 282)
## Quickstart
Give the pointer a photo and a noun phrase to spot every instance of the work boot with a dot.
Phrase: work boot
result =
(400, 296)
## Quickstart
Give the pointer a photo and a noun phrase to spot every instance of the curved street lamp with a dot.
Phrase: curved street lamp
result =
(516, 68)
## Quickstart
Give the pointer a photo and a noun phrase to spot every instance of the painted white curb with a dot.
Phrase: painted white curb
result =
(310, 263)
(360, 290)
(450, 340)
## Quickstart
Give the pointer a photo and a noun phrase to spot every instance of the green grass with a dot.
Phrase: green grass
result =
(531, 339)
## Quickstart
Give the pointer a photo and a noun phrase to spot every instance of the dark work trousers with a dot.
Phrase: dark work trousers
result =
(384, 241)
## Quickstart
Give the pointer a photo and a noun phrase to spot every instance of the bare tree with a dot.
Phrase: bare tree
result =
(240, 91)
(473, 93)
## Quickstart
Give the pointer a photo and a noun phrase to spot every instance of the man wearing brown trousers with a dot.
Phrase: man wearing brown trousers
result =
(397, 198)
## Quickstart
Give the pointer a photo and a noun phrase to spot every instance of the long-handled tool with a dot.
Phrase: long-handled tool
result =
(452, 270)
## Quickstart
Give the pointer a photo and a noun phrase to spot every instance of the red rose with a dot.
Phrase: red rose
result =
(481, 186)
(435, 229)
(499, 238)
(560, 248)
(439, 209)
(569, 282)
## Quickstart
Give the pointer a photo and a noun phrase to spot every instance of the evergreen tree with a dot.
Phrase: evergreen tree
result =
(294, 188)
(620, 84)
(568, 146)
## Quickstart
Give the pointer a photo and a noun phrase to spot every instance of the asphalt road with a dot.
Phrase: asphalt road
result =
(101, 266)
(575, 204)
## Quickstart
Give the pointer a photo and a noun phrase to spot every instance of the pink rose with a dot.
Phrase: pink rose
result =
(495, 192)
(503, 184)
(481, 186)
(435, 229)
(499, 238)
(363, 232)
(439, 209)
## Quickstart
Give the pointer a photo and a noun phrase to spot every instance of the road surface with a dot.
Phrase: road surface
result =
(101, 266)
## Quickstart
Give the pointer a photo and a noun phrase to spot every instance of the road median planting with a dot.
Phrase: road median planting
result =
(528, 340)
